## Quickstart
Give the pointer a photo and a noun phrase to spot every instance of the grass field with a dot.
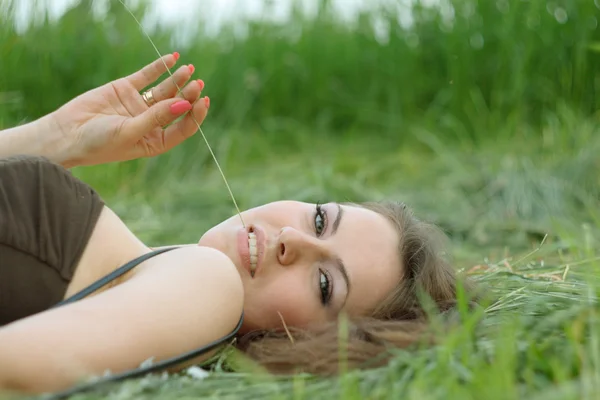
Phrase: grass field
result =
(486, 124)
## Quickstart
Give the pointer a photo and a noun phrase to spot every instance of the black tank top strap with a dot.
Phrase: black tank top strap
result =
(142, 370)
(112, 276)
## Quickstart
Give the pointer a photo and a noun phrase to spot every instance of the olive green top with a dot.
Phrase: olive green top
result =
(46, 218)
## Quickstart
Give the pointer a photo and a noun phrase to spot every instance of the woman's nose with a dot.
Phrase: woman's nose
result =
(294, 245)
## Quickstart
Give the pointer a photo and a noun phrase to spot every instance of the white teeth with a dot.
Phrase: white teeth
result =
(253, 250)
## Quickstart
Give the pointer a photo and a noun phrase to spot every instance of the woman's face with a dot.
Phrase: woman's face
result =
(311, 262)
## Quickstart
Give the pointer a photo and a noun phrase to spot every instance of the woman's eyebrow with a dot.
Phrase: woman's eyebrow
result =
(342, 268)
(338, 219)
(339, 263)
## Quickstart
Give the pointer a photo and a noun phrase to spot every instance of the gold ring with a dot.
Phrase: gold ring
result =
(149, 98)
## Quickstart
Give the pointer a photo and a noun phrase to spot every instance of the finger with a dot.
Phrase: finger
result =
(169, 87)
(158, 116)
(191, 92)
(177, 133)
(151, 72)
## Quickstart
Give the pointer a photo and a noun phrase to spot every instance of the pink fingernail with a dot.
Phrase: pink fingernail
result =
(207, 102)
(176, 55)
(180, 107)
(201, 83)
(192, 69)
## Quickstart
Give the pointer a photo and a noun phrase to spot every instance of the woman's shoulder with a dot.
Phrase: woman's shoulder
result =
(179, 302)
(203, 265)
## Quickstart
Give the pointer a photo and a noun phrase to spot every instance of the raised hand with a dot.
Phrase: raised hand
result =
(115, 122)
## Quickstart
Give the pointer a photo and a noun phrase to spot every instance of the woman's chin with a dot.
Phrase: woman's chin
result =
(207, 240)
(221, 236)
(214, 238)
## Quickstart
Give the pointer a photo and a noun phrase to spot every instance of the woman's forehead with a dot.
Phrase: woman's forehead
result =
(368, 244)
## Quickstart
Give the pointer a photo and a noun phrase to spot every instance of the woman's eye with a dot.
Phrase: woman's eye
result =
(319, 221)
(325, 287)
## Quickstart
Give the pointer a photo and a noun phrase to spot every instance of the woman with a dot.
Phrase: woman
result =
(290, 272)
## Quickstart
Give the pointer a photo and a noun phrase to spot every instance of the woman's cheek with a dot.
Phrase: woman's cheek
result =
(294, 304)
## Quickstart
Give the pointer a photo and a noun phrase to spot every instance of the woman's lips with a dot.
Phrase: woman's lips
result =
(260, 246)
(244, 248)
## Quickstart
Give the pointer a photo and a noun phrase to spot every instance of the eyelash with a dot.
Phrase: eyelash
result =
(323, 215)
(324, 276)
(328, 289)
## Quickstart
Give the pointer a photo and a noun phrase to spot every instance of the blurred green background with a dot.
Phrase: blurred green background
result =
(480, 114)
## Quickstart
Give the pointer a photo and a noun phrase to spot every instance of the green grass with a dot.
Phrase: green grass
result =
(538, 341)
(498, 145)
(498, 62)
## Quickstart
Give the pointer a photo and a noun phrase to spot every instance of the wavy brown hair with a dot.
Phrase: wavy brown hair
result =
(398, 322)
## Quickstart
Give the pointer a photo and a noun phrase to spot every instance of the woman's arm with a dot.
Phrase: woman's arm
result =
(113, 122)
(182, 300)
(41, 137)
